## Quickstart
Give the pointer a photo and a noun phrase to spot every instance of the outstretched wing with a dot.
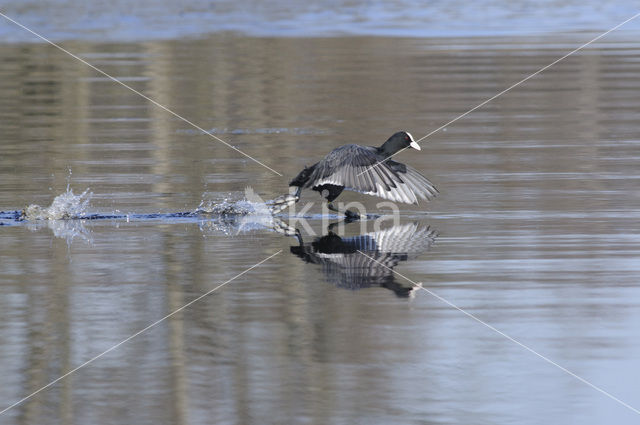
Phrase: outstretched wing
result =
(357, 168)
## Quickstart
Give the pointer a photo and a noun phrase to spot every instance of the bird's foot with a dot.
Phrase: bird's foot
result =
(282, 202)
(351, 215)
(348, 214)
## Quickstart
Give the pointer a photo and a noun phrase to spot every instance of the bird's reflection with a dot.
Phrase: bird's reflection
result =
(344, 264)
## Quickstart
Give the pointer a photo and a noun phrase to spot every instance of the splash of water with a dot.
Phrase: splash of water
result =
(251, 205)
(225, 207)
(65, 206)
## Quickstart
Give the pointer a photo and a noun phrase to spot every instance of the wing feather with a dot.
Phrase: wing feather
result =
(356, 168)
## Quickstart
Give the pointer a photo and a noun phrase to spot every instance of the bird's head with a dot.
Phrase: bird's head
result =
(400, 140)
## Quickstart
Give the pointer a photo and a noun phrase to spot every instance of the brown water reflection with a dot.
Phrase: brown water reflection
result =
(537, 216)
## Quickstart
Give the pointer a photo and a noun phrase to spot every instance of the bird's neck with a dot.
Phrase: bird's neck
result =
(389, 148)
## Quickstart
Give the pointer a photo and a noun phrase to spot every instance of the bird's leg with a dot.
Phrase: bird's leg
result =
(284, 201)
(332, 208)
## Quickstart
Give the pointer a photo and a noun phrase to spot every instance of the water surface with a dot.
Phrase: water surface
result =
(120, 20)
(537, 233)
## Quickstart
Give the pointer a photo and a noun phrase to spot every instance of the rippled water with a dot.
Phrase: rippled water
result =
(121, 20)
(535, 232)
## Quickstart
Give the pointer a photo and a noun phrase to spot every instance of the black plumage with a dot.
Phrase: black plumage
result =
(368, 170)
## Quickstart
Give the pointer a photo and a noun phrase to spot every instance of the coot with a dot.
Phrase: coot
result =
(363, 169)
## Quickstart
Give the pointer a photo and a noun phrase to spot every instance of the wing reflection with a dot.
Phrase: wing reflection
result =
(345, 267)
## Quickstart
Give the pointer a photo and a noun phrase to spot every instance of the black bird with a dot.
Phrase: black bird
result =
(364, 169)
